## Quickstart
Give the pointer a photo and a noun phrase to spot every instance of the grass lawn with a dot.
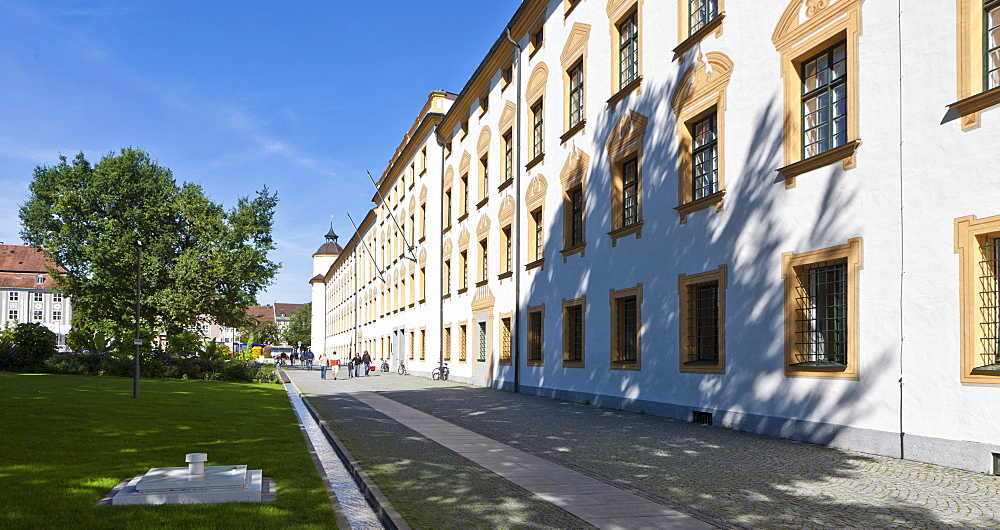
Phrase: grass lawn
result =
(66, 441)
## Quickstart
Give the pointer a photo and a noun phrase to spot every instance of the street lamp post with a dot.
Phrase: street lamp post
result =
(138, 341)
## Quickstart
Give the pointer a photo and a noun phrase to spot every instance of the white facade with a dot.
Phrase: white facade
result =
(42, 306)
(885, 209)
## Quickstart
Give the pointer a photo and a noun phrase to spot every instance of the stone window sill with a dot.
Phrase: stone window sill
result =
(714, 199)
(688, 43)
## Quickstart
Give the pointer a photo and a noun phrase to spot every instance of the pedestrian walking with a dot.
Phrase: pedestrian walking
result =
(324, 364)
(367, 359)
(357, 364)
(308, 357)
(295, 357)
(335, 365)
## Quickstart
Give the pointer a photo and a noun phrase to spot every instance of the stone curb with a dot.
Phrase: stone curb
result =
(379, 502)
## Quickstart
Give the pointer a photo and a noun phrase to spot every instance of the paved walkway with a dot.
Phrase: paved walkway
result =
(566, 452)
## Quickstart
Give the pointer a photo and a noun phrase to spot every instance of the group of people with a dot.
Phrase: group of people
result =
(332, 361)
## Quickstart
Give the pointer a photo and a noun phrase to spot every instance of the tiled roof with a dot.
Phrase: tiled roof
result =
(329, 249)
(21, 258)
(25, 280)
(285, 309)
(263, 312)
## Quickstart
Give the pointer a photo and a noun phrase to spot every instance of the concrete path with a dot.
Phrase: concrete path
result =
(596, 502)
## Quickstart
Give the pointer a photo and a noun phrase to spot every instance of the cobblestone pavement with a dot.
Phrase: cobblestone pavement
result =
(428, 484)
(751, 480)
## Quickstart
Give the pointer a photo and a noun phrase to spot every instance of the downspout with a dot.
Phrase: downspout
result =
(437, 138)
(516, 332)
(902, 241)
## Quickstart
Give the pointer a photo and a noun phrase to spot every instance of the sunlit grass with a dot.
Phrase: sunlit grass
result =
(68, 440)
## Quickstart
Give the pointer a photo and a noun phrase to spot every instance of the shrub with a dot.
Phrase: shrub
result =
(25, 347)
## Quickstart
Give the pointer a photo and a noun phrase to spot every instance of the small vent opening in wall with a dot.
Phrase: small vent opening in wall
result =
(704, 418)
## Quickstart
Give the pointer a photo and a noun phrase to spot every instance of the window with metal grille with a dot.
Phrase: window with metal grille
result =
(537, 236)
(576, 94)
(507, 250)
(537, 131)
(700, 13)
(463, 279)
(630, 192)
(535, 336)
(574, 333)
(423, 345)
(705, 158)
(821, 297)
(576, 216)
(413, 347)
(423, 283)
(447, 276)
(447, 208)
(628, 50)
(626, 330)
(991, 20)
(703, 323)
(824, 101)
(508, 156)
(463, 342)
(505, 340)
(989, 307)
(482, 342)
(447, 345)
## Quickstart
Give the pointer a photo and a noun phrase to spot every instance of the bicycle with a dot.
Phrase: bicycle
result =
(385, 366)
(440, 372)
(402, 368)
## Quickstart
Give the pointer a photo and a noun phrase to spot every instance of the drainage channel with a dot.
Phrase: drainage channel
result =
(359, 513)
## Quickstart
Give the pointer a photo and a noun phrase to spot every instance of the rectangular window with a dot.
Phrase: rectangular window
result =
(423, 283)
(824, 101)
(412, 347)
(484, 177)
(12, 314)
(36, 315)
(822, 315)
(992, 26)
(537, 131)
(57, 297)
(465, 194)
(508, 250)
(463, 342)
(630, 192)
(447, 276)
(508, 156)
(573, 312)
(576, 94)
(447, 344)
(484, 260)
(628, 50)
(703, 324)
(13, 295)
(576, 216)
(423, 345)
(447, 208)
(700, 13)
(37, 297)
(482, 342)
(535, 331)
(626, 331)
(989, 302)
(705, 158)
(423, 159)
(57, 315)
(821, 311)
(463, 279)
(505, 340)
(537, 235)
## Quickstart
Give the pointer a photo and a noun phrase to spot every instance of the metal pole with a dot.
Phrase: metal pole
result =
(138, 341)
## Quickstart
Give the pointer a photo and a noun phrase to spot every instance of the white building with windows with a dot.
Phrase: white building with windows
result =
(27, 291)
(781, 217)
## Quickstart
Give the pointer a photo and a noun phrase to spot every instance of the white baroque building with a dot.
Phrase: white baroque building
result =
(781, 217)
(28, 291)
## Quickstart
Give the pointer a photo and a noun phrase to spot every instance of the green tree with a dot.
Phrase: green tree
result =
(197, 259)
(300, 327)
(260, 331)
(25, 347)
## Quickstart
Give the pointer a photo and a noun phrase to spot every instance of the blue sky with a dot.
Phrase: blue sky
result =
(302, 97)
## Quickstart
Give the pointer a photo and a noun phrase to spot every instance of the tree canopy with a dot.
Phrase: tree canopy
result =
(197, 257)
(299, 328)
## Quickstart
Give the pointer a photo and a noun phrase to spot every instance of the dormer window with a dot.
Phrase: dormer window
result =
(40, 279)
